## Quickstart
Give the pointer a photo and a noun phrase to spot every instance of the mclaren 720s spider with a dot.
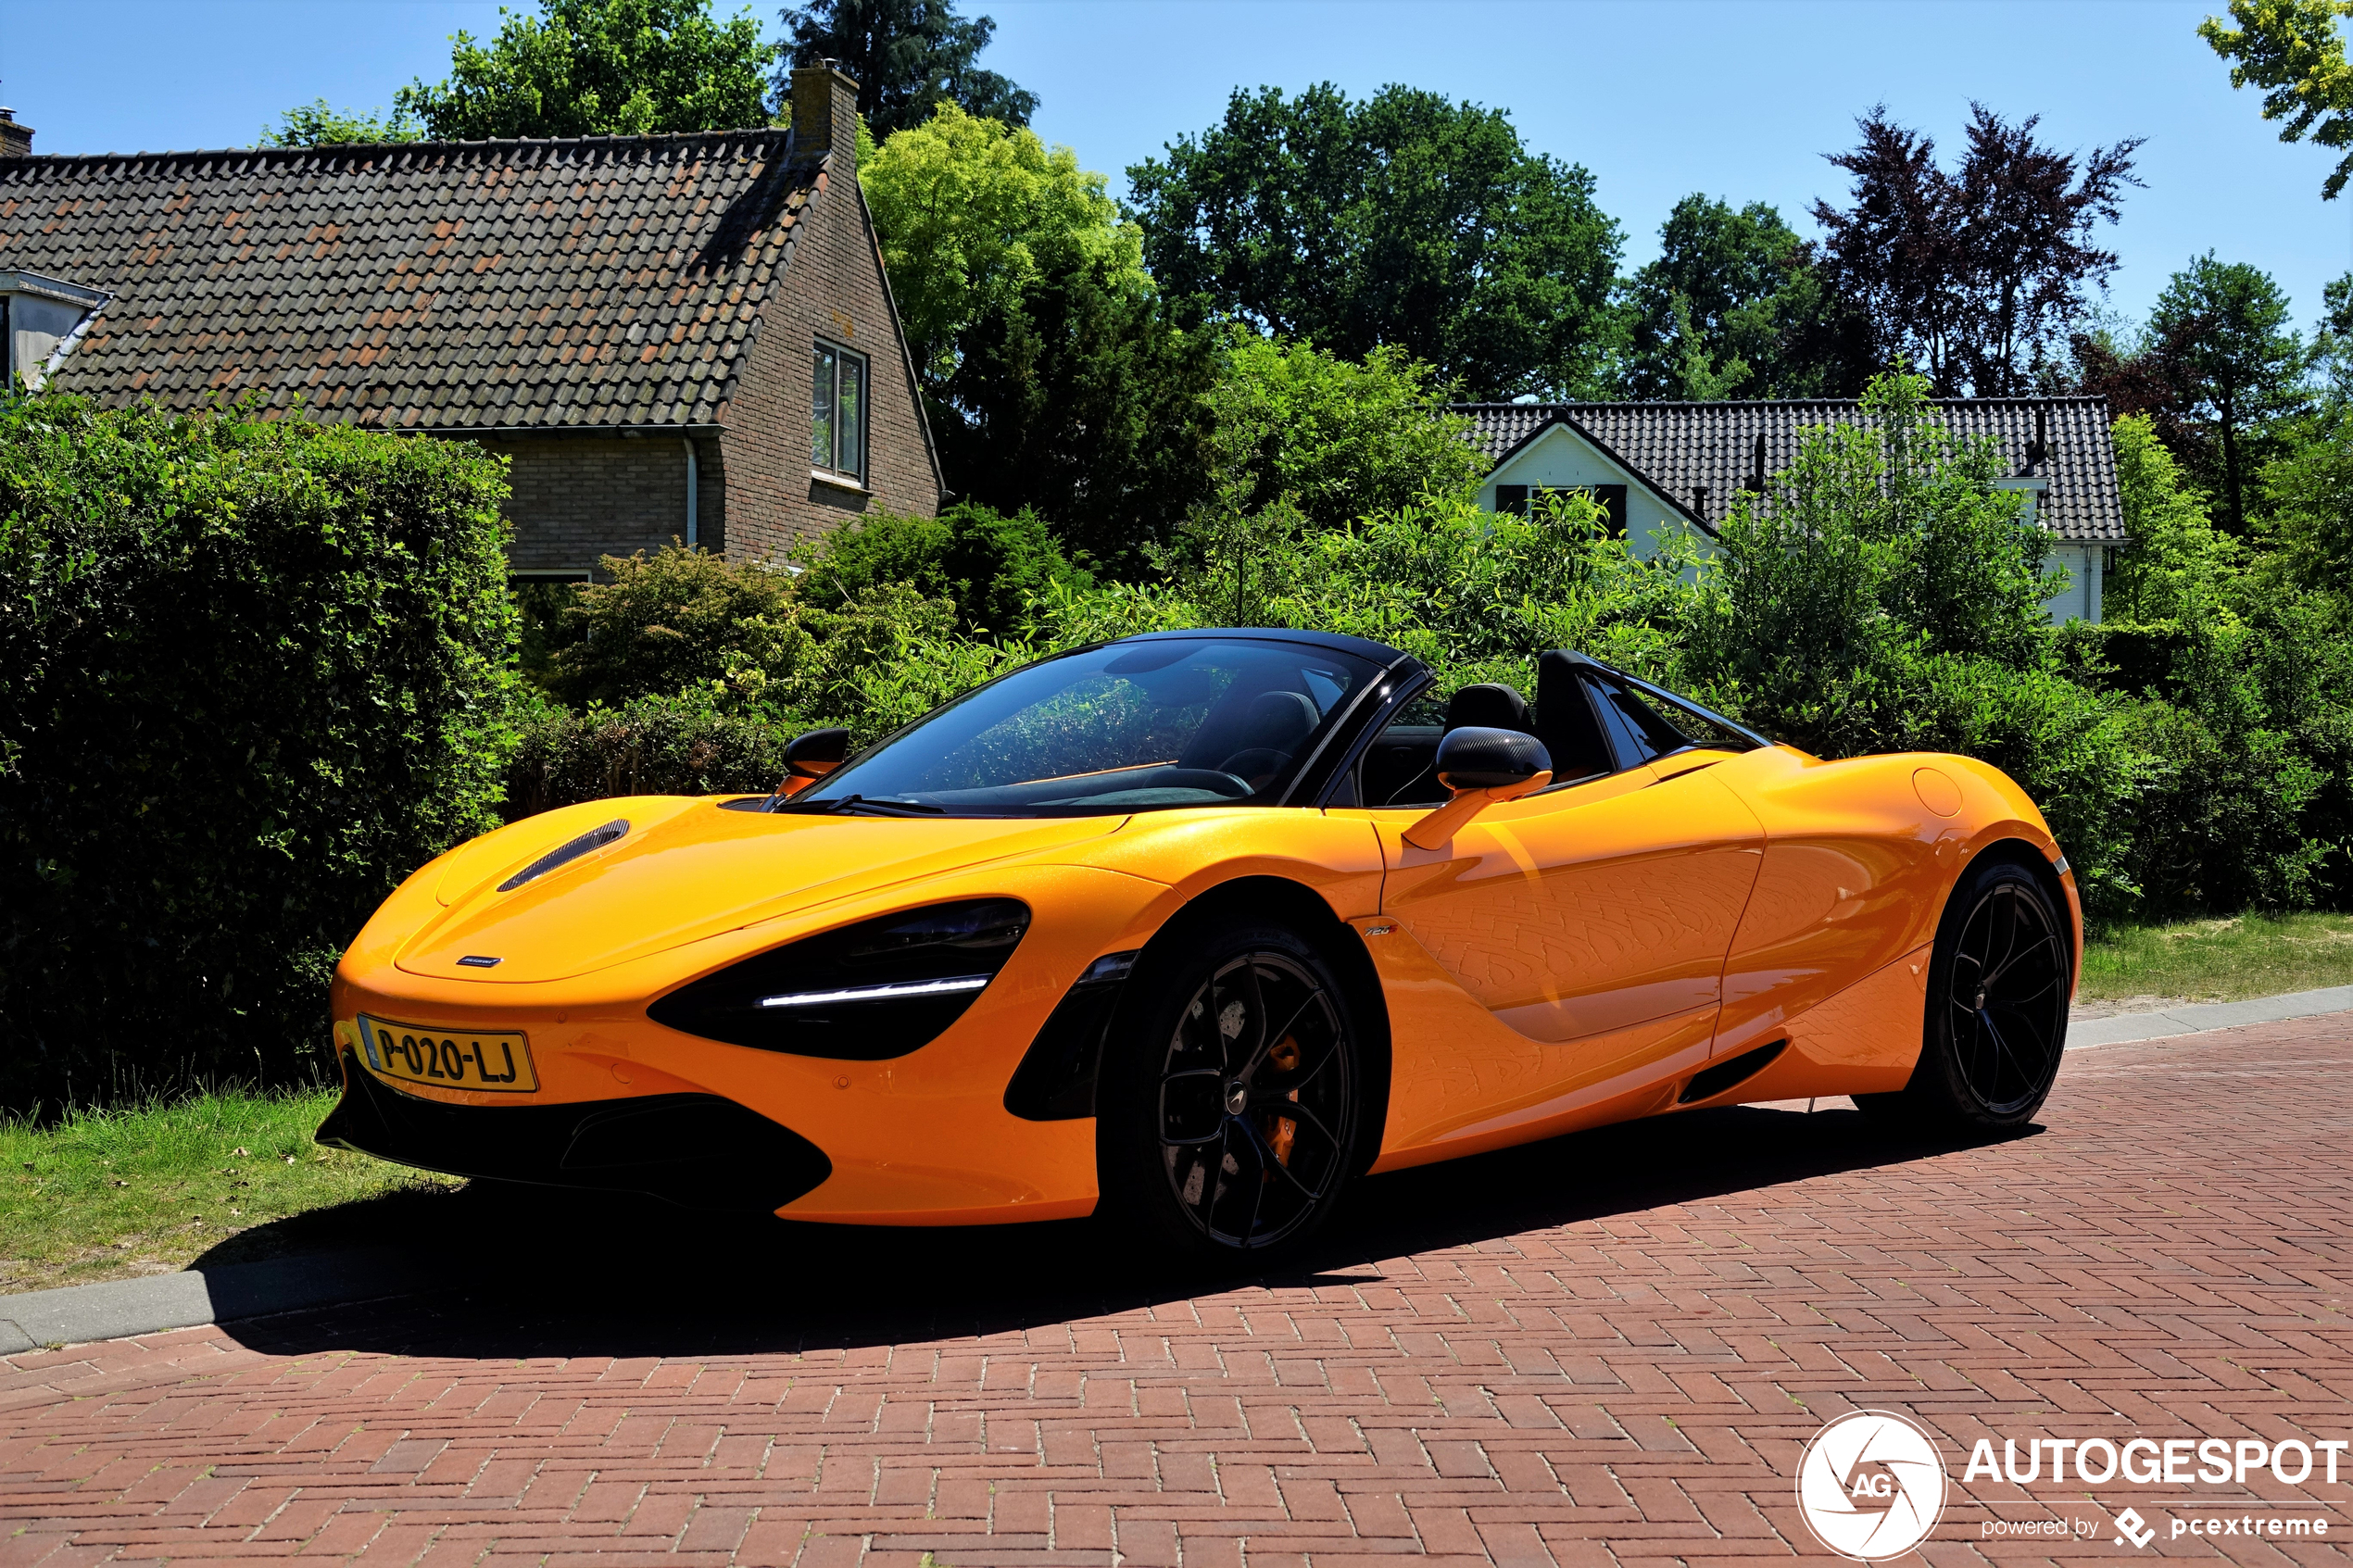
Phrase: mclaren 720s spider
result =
(1194, 929)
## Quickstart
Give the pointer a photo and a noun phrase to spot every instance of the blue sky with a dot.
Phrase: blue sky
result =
(1739, 98)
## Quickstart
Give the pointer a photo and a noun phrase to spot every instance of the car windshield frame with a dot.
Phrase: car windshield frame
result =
(1176, 782)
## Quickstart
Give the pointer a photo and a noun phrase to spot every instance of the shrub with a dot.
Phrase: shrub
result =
(679, 619)
(256, 674)
(989, 566)
(650, 746)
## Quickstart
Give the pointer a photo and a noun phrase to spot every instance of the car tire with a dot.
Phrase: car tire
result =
(1999, 982)
(1232, 1096)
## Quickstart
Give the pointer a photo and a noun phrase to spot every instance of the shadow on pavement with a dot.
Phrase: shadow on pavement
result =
(522, 1272)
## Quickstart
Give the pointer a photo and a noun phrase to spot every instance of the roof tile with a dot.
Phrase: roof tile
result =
(1679, 446)
(465, 285)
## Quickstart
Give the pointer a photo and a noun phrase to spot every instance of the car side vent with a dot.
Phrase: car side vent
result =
(1709, 1082)
(1056, 1079)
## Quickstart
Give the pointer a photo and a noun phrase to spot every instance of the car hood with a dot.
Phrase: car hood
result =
(686, 870)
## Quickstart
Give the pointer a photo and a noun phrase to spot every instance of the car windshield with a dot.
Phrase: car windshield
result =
(1133, 726)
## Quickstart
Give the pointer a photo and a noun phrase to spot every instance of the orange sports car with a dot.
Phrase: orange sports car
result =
(1195, 928)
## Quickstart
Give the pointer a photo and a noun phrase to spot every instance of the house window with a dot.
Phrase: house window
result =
(1513, 499)
(837, 426)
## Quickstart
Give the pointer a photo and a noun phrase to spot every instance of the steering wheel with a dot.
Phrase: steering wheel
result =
(1259, 762)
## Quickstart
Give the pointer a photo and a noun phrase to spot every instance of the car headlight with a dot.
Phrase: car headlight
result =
(879, 988)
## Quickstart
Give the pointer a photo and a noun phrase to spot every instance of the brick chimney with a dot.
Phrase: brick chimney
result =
(825, 115)
(16, 141)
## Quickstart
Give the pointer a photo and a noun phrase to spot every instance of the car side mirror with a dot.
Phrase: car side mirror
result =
(811, 756)
(1482, 766)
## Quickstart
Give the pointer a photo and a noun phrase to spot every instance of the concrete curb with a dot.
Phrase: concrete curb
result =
(2125, 1028)
(77, 1314)
(123, 1309)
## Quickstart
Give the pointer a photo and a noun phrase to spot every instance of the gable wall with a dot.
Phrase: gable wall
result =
(833, 289)
(1559, 458)
(576, 498)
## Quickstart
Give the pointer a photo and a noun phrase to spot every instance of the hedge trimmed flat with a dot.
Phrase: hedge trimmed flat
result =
(1195, 928)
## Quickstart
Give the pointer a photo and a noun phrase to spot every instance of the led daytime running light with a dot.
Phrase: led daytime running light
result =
(879, 993)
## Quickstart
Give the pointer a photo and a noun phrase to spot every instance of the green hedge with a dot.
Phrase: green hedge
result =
(653, 746)
(257, 673)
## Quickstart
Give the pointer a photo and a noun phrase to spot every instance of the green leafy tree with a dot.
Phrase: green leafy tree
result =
(1079, 400)
(2310, 493)
(908, 56)
(2177, 552)
(972, 211)
(1732, 307)
(1402, 219)
(316, 124)
(2294, 50)
(599, 68)
(1337, 438)
(2237, 361)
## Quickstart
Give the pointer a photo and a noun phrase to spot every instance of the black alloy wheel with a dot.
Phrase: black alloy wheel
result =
(1999, 985)
(1233, 1118)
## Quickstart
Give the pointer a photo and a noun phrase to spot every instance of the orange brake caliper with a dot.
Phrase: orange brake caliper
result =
(1284, 1058)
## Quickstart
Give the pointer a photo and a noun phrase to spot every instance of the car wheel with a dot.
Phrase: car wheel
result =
(1998, 986)
(1232, 1099)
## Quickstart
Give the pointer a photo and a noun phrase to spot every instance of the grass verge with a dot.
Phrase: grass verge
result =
(109, 1194)
(2219, 960)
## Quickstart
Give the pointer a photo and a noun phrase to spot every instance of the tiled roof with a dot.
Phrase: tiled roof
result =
(605, 282)
(1678, 445)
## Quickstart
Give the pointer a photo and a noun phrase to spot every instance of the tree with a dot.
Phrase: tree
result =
(907, 56)
(972, 212)
(1401, 219)
(2177, 553)
(317, 125)
(2309, 492)
(2293, 49)
(1732, 307)
(1079, 398)
(1975, 273)
(600, 68)
(1337, 439)
(2226, 327)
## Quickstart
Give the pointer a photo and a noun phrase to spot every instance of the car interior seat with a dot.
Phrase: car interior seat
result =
(1272, 732)
(1488, 706)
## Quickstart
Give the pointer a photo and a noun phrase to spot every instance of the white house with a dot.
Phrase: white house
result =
(1660, 467)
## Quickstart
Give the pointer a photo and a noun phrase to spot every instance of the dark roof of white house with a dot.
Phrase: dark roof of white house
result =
(1677, 448)
(580, 284)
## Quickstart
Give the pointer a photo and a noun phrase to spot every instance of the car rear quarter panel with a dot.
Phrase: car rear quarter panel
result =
(1833, 953)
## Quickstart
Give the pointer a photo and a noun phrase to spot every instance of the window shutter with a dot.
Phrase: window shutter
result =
(1613, 500)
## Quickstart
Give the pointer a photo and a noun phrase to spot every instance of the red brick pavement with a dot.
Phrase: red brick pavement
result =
(1609, 1347)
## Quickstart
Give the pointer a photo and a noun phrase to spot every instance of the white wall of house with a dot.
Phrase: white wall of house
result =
(1559, 458)
(2079, 600)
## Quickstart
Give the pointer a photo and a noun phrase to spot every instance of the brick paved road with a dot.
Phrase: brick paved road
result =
(1612, 1345)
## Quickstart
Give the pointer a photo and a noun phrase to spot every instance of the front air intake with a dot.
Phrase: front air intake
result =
(863, 992)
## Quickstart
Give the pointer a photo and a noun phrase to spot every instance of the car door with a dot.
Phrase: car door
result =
(1589, 921)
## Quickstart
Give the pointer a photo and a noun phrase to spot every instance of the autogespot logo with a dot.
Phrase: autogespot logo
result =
(1871, 1485)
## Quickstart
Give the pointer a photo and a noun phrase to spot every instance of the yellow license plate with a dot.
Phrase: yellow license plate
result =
(448, 1058)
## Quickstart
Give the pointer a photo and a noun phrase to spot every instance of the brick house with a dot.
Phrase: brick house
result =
(679, 335)
(1662, 468)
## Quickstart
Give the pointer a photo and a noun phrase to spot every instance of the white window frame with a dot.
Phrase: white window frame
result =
(833, 464)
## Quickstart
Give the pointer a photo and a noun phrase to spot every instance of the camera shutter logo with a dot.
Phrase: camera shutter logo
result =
(1871, 1485)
